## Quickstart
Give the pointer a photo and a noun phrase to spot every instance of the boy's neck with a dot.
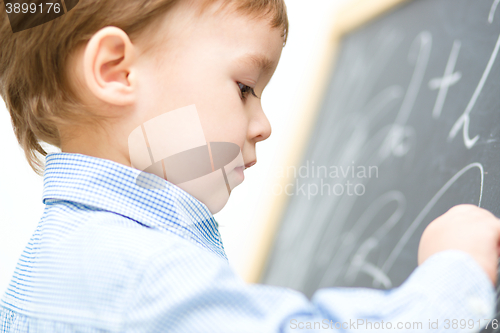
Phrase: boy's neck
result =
(100, 146)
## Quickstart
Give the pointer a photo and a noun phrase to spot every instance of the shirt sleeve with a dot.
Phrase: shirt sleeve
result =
(186, 289)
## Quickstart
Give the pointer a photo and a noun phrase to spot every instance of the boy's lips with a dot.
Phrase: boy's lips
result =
(240, 169)
(249, 164)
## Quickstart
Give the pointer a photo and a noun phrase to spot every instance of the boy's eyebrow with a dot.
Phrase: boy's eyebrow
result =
(259, 60)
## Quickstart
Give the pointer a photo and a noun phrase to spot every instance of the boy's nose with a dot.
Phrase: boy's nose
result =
(263, 126)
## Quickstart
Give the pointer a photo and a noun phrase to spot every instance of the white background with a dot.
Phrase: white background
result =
(242, 220)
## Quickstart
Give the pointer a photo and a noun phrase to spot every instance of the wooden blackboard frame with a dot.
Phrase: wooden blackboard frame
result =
(351, 16)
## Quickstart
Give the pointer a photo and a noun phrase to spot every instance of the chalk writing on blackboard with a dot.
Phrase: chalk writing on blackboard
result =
(449, 79)
(405, 86)
(394, 144)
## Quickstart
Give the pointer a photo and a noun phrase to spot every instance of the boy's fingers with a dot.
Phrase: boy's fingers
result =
(496, 225)
(497, 228)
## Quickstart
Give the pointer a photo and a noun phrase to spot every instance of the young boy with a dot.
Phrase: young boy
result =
(120, 249)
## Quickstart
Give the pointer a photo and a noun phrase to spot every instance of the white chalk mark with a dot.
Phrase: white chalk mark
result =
(401, 138)
(350, 239)
(409, 232)
(394, 138)
(424, 51)
(449, 78)
(491, 17)
(464, 120)
(369, 244)
(375, 272)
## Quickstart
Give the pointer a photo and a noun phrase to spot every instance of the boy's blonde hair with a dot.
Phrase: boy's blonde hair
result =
(33, 82)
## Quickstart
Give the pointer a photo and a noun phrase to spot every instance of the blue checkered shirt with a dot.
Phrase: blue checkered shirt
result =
(111, 256)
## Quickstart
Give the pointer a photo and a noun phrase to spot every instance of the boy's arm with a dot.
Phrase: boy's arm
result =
(449, 292)
(186, 289)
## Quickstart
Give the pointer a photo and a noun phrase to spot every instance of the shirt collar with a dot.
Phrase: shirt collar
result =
(111, 186)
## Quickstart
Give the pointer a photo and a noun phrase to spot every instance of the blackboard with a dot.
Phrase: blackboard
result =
(415, 95)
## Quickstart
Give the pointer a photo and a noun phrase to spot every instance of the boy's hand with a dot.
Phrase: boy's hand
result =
(467, 228)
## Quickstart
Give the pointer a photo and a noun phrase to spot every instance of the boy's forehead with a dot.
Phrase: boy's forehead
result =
(244, 29)
(220, 28)
(227, 14)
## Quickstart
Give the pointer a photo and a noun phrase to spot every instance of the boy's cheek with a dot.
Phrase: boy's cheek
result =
(173, 147)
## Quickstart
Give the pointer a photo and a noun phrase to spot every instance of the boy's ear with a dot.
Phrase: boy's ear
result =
(107, 66)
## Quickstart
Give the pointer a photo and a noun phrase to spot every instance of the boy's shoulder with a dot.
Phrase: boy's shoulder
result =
(82, 233)
(86, 263)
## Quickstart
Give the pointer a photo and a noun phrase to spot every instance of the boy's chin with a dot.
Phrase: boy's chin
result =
(212, 189)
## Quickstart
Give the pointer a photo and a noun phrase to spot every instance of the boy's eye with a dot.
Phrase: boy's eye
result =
(245, 90)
